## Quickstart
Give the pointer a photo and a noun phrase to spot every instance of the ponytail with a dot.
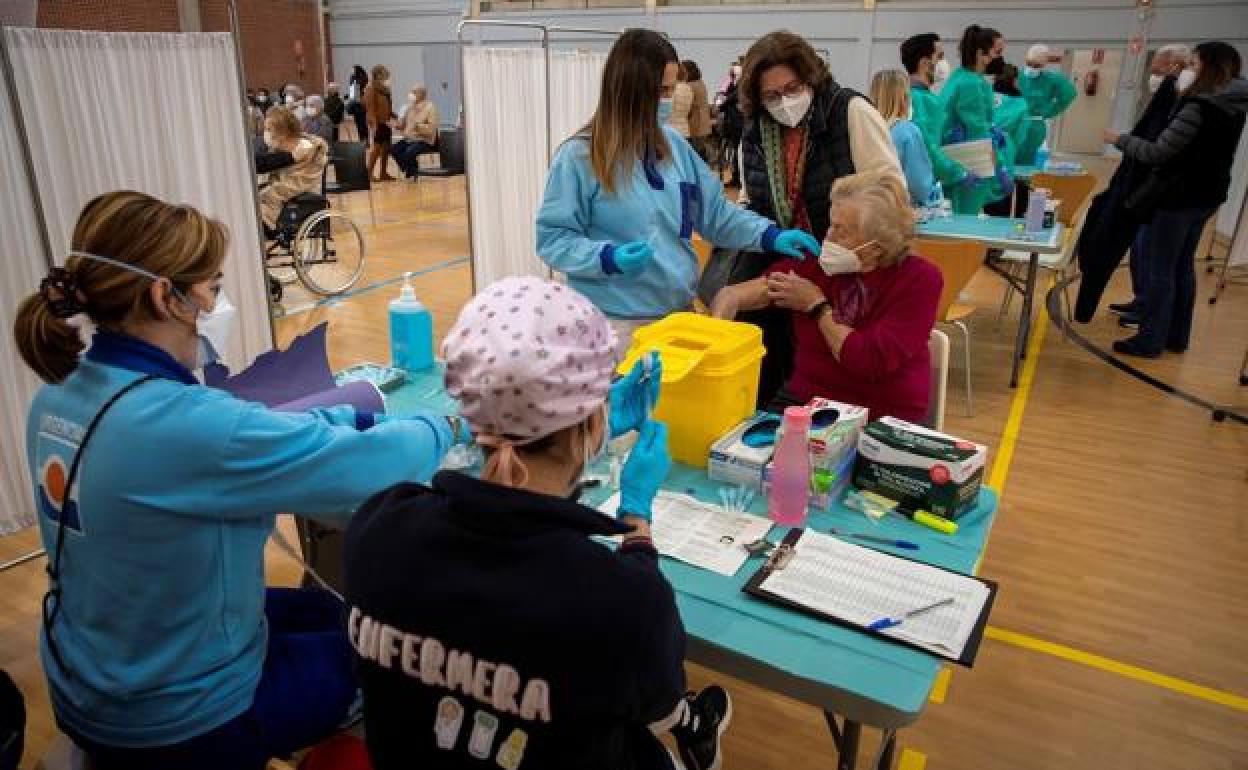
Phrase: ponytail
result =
(974, 40)
(49, 345)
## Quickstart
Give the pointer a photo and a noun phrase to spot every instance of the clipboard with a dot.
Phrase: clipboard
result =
(786, 551)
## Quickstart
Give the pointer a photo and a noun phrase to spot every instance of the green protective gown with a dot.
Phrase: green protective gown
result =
(1048, 94)
(929, 116)
(1009, 113)
(968, 101)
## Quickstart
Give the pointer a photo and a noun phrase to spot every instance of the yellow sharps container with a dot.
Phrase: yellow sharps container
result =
(710, 378)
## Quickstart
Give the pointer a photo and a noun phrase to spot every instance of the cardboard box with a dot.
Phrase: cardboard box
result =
(933, 471)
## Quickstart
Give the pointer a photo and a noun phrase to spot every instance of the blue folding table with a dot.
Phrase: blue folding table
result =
(855, 679)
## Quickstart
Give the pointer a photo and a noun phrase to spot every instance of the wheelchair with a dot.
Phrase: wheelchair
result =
(315, 245)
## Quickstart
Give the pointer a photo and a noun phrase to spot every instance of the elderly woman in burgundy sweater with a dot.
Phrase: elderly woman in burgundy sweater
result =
(862, 313)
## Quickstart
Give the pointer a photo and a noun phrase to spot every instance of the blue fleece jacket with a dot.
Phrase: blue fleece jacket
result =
(580, 225)
(161, 622)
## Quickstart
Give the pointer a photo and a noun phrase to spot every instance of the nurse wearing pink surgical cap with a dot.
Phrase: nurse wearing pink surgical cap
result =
(487, 621)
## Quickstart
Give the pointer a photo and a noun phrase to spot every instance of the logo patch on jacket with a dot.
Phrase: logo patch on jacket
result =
(55, 447)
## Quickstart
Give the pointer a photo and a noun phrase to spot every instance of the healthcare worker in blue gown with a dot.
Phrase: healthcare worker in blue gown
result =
(626, 194)
(162, 647)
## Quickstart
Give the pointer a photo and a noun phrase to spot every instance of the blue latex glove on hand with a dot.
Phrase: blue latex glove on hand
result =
(645, 471)
(797, 244)
(631, 258)
(969, 180)
(957, 133)
(998, 138)
(1005, 180)
(634, 395)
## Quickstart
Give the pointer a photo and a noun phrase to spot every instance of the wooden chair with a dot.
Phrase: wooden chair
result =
(938, 351)
(958, 262)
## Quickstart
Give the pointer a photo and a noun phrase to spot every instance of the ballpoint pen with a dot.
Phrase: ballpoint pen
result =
(906, 544)
(883, 623)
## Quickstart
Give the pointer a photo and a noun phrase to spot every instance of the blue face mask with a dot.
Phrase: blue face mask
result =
(665, 110)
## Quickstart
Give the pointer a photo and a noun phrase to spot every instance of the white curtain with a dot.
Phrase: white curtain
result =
(22, 265)
(505, 133)
(155, 112)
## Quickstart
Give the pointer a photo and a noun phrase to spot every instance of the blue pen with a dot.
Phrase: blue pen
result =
(906, 544)
(883, 623)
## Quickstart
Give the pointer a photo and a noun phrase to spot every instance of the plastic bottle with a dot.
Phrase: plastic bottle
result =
(411, 330)
(790, 477)
(1042, 155)
(936, 196)
(1033, 222)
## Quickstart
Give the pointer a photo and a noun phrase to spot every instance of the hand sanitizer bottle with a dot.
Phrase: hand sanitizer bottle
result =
(411, 330)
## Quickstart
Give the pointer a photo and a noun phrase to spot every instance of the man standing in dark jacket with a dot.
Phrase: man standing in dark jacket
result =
(335, 108)
(490, 628)
(1110, 228)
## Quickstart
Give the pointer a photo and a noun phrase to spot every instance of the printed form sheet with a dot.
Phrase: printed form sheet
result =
(699, 533)
(860, 586)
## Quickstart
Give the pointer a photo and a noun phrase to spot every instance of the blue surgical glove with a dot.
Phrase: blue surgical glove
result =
(969, 180)
(797, 244)
(631, 258)
(1005, 180)
(634, 395)
(645, 471)
(957, 133)
(998, 138)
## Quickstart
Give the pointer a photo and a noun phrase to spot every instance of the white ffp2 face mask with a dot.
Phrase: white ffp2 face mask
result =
(214, 329)
(1186, 78)
(940, 73)
(836, 259)
(1154, 82)
(791, 109)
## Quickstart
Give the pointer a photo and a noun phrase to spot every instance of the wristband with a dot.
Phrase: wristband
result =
(816, 312)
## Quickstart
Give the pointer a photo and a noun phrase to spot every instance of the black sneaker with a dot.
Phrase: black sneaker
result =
(1125, 308)
(1132, 347)
(699, 733)
(1128, 321)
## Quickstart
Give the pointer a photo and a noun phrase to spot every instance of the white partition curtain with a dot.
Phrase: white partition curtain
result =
(505, 133)
(155, 112)
(22, 265)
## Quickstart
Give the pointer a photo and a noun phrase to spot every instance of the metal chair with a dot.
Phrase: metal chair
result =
(351, 172)
(958, 262)
(938, 351)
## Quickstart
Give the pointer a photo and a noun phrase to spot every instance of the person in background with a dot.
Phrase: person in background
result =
(418, 132)
(625, 195)
(380, 111)
(1167, 65)
(803, 131)
(1011, 120)
(315, 122)
(161, 644)
(890, 93)
(1190, 175)
(578, 649)
(730, 81)
(262, 99)
(1048, 95)
(682, 104)
(293, 100)
(862, 313)
(308, 153)
(335, 110)
(967, 99)
(923, 56)
(355, 104)
(700, 112)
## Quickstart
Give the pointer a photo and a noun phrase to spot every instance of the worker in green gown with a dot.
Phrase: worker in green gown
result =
(923, 56)
(1048, 95)
(968, 103)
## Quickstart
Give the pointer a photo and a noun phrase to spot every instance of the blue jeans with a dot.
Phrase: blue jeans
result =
(1139, 270)
(1170, 292)
(305, 690)
(407, 154)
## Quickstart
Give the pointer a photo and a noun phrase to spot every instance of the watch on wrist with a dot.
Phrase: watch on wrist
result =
(816, 312)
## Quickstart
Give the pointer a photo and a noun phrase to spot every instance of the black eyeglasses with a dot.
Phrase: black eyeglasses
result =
(793, 88)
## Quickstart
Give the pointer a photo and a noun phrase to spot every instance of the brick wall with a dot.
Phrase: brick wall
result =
(110, 15)
(270, 30)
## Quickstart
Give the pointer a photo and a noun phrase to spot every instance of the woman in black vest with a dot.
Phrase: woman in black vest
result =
(1191, 162)
(803, 131)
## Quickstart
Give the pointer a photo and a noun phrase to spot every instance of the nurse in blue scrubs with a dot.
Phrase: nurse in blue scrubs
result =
(626, 194)
(162, 647)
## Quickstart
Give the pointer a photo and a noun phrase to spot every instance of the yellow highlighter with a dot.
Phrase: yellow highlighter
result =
(930, 520)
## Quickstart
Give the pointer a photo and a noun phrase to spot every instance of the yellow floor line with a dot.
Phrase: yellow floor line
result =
(1014, 423)
(1092, 660)
(912, 760)
(941, 688)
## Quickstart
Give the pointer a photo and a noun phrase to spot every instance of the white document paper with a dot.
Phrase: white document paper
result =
(860, 586)
(975, 156)
(699, 533)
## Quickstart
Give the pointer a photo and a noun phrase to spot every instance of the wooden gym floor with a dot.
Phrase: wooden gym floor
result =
(1119, 635)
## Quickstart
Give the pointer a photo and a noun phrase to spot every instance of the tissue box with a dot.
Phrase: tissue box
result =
(732, 462)
(933, 471)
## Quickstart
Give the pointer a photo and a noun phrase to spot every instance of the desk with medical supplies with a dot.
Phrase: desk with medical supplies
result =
(1005, 234)
(856, 679)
